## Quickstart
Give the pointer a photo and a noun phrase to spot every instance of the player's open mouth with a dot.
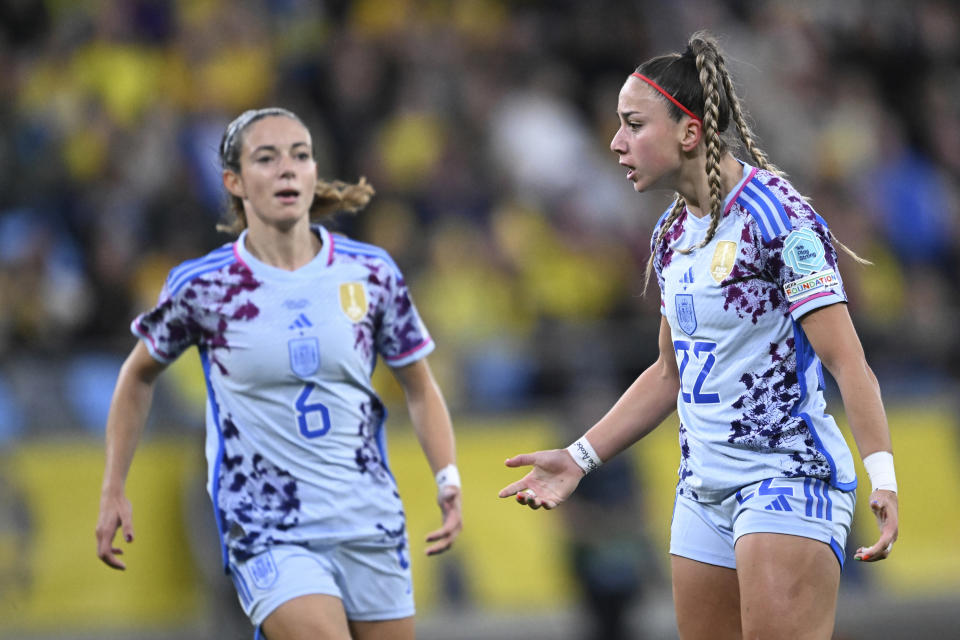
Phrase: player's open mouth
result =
(287, 196)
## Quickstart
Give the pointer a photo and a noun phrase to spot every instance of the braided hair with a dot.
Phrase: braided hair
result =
(698, 78)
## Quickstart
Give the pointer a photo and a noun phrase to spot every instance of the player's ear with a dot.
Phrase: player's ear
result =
(691, 134)
(233, 183)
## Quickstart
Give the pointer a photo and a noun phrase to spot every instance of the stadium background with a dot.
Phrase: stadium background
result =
(484, 126)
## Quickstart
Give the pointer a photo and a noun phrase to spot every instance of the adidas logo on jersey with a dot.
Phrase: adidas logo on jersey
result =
(778, 504)
(302, 322)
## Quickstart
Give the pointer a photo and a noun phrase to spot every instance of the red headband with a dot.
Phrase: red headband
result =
(667, 95)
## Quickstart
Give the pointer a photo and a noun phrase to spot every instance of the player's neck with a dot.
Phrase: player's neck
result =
(287, 249)
(695, 188)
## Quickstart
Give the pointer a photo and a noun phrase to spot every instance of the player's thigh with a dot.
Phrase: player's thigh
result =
(310, 617)
(706, 600)
(788, 586)
(399, 629)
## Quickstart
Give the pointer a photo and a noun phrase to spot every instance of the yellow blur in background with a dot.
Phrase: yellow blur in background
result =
(512, 558)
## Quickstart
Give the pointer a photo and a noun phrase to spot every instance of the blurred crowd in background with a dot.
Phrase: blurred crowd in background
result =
(484, 126)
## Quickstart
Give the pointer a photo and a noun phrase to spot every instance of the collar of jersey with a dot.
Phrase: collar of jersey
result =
(748, 173)
(259, 268)
(700, 224)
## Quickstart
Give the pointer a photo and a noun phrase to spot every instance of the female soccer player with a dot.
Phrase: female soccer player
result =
(289, 320)
(752, 304)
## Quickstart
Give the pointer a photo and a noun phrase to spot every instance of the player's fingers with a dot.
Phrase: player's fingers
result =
(522, 460)
(526, 496)
(439, 534)
(110, 559)
(127, 528)
(513, 488)
(531, 499)
(440, 547)
(104, 534)
(450, 527)
(880, 550)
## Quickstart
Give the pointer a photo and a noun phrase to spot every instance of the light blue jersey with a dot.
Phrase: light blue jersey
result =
(295, 438)
(751, 402)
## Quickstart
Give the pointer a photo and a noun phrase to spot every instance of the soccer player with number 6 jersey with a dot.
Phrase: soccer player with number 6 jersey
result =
(753, 308)
(289, 320)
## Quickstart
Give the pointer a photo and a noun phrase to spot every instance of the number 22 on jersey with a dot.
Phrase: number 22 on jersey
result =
(702, 353)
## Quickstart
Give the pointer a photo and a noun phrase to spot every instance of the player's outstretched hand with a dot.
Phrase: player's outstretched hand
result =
(449, 501)
(885, 508)
(551, 481)
(115, 513)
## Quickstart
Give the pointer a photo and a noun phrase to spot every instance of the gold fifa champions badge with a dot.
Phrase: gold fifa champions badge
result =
(353, 300)
(724, 257)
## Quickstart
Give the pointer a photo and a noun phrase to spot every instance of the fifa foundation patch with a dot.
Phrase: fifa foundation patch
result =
(803, 251)
(820, 281)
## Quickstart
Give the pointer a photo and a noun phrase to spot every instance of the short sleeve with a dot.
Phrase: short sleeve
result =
(169, 328)
(402, 338)
(804, 265)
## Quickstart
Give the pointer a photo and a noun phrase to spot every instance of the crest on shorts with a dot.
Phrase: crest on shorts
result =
(686, 314)
(353, 300)
(304, 356)
(724, 257)
(803, 251)
(263, 570)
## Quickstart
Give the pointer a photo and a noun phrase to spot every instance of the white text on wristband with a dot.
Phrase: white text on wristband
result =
(448, 477)
(584, 455)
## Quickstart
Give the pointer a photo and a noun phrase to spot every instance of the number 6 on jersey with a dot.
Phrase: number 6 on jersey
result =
(308, 423)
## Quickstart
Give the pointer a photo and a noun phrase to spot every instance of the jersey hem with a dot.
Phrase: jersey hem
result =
(419, 352)
(816, 301)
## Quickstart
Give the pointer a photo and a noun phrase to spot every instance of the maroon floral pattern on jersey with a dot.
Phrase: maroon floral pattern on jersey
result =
(368, 455)
(684, 471)
(391, 325)
(664, 251)
(199, 312)
(767, 422)
(747, 290)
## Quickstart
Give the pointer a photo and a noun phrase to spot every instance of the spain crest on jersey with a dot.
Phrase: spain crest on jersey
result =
(304, 356)
(724, 257)
(353, 300)
(686, 314)
(263, 570)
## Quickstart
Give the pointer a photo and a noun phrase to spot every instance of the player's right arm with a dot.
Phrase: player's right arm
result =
(643, 406)
(132, 397)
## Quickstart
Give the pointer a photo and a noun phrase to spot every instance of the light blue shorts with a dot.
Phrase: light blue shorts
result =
(807, 507)
(371, 578)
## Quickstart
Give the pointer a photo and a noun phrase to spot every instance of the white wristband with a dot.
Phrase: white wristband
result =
(584, 455)
(448, 477)
(879, 466)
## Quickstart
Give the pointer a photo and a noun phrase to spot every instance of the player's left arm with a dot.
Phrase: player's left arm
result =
(834, 338)
(432, 424)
